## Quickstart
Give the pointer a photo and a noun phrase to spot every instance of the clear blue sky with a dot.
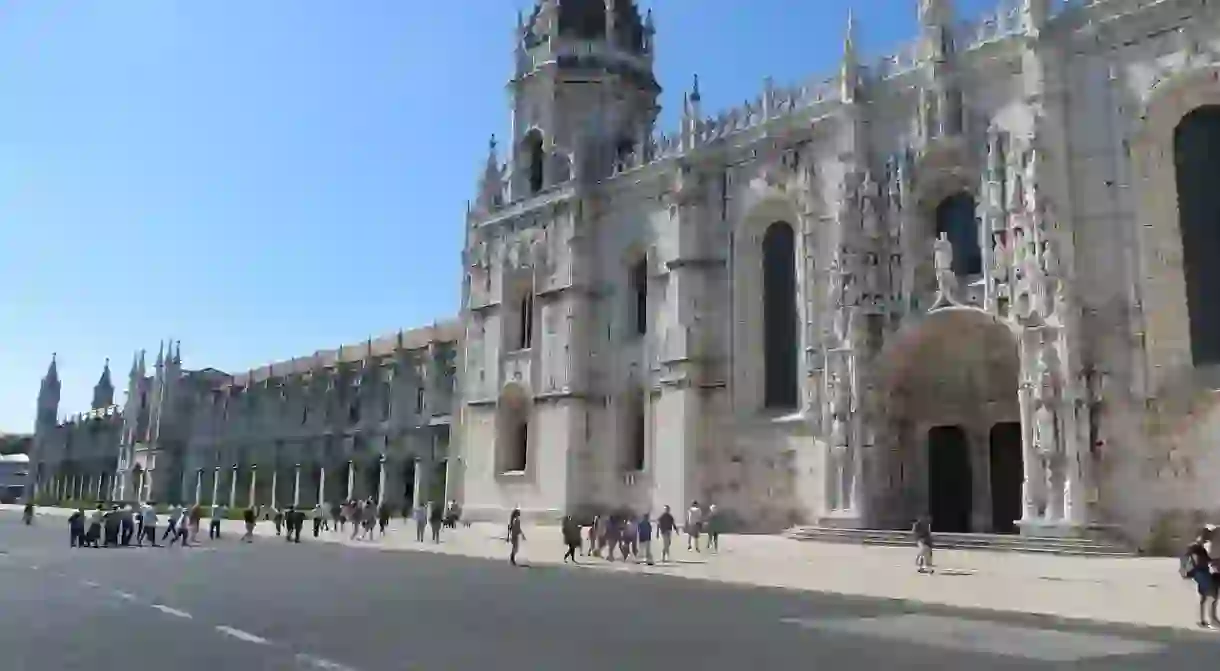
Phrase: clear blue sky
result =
(264, 179)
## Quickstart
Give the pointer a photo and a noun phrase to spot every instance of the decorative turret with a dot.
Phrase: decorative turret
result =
(941, 106)
(572, 57)
(48, 396)
(849, 70)
(103, 391)
(1034, 15)
(491, 183)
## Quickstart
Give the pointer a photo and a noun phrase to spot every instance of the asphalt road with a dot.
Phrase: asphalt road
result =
(270, 605)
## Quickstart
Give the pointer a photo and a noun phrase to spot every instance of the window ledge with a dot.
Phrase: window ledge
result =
(514, 476)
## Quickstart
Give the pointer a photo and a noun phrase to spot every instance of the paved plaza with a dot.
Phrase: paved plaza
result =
(364, 606)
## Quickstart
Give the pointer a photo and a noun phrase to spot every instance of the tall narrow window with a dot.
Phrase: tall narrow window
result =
(1196, 154)
(955, 218)
(639, 297)
(779, 317)
(525, 317)
(419, 399)
(535, 160)
(387, 399)
(637, 433)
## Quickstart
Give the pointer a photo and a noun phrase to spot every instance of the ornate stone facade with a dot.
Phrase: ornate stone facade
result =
(951, 281)
(371, 419)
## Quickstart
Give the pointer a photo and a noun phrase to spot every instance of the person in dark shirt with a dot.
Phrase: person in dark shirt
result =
(1197, 566)
(665, 525)
(249, 516)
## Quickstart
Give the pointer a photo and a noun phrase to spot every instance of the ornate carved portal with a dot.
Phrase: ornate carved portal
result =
(944, 387)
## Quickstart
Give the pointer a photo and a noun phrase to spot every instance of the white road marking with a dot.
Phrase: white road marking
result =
(981, 636)
(172, 611)
(34, 567)
(89, 583)
(319, 663)
(242, 635)
(126, 596)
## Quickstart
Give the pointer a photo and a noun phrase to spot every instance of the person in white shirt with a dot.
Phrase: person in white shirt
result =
(149, 515)
(694, 525)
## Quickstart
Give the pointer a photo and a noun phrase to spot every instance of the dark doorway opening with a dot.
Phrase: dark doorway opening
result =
(408, 484)
(950, 488)
(1007, 474)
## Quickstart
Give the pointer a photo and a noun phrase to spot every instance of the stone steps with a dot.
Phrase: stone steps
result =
(1091, 547)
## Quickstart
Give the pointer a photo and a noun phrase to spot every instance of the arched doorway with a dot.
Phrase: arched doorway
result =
(1196, 154)
(946, 408)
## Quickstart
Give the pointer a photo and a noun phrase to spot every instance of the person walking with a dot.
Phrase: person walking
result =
(76, 529)
(1198, 565)
(148, 522)
(694, 525)
(194, 518)
(436, 515)
(713, 525)
(383, 518)
(319, 518)
(644, 528)
(218, 514)
(571, 538)
(515, 535)
(127, 525)
(421, 522)
(171, 521)
(666, 525)
(922, 531)
(249, 515)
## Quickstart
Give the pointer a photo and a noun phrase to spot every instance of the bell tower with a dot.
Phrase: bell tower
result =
(583, 92)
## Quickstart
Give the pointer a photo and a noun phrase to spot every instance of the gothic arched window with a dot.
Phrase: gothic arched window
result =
(639, 297)
(779, 317)
(1196, 157)
(955, 218)
(535, 159)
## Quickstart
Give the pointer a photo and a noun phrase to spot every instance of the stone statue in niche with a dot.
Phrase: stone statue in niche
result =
(1045, 438)
(999, 260)
(942, 259)
(868, 205)
(1031, 183)
(1016, 195)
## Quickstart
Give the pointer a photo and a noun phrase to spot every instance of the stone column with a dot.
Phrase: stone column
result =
(233, 488)
(381, 463)
(215, 484)
(322, 485)
(296, 486)
(275, 486)
(351, 479)
(253, 499)
(199, 486)
(392, 484)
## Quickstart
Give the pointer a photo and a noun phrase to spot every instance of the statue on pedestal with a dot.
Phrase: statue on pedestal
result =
(999, 261)
(942, 259)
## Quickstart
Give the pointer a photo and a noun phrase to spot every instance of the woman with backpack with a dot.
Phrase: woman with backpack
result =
(1198, 565)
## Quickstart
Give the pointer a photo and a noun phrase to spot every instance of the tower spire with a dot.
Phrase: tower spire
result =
(850, 69)
(103, 391)
(160, 355)
(52, 376)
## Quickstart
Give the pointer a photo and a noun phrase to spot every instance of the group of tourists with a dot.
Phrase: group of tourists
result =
(118, 525)
(632, 535)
